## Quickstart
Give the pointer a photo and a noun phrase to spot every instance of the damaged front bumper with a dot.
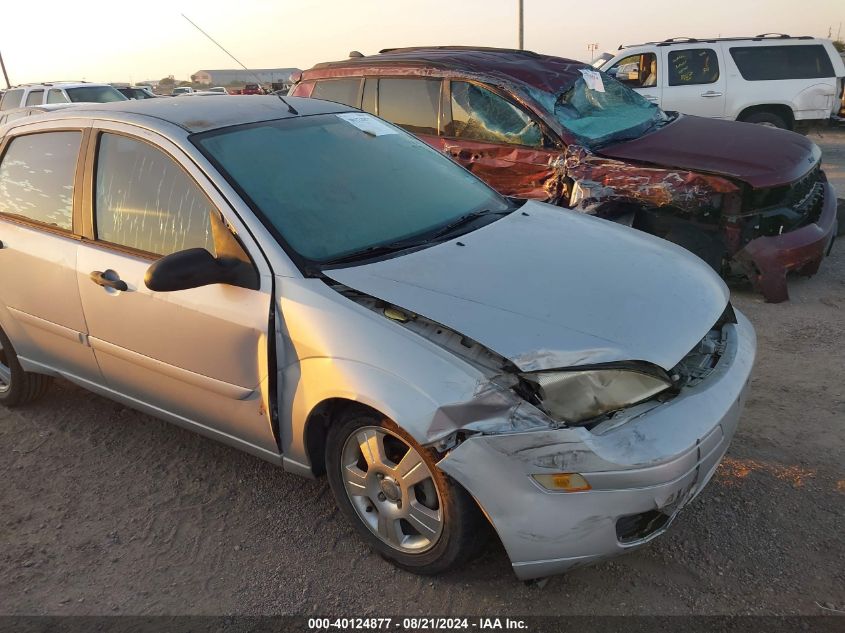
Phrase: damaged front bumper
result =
(641, 472)
(767, 260)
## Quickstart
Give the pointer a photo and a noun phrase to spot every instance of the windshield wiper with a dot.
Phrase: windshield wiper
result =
(464, 220)
(376, 251)
(401, 245)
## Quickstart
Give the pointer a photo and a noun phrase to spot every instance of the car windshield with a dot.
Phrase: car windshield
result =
(94, 94)
(334, 185)
(605, 111)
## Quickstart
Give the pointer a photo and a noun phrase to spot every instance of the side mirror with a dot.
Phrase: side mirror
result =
(186, 269)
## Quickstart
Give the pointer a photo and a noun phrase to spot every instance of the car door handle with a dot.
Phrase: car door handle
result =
(651, 98)
(108, 279)
(711, 93)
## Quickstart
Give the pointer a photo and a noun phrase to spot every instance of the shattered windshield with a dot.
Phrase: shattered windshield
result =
(599, 110)
(334, 186)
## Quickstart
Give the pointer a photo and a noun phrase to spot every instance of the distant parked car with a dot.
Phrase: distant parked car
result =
(253, 89)
(444, 355)
(182, 90)
(137, 92)
(775, 80)
(59, 92)
(749, 200)
(218, 89)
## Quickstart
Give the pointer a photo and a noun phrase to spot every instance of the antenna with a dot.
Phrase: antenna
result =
(291, 109)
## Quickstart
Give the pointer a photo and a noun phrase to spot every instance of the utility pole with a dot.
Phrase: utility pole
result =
(521, 26)
(591, 51)
(5, 74)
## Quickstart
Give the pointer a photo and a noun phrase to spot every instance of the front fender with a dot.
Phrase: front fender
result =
(308, 383)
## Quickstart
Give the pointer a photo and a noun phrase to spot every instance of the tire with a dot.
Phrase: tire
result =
(400, 503)
(18, 387)
(766, 118)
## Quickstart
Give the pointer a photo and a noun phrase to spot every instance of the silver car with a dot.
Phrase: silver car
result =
(310, 284)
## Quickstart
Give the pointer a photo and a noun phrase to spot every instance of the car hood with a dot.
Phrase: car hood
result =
(549, 288)
(756, 154)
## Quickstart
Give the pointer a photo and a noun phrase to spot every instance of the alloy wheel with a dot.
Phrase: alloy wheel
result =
(392, 489)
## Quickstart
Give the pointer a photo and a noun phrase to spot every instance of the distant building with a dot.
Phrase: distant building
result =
(266, 76)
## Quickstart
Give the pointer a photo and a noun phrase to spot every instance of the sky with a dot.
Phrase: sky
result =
(120, 40)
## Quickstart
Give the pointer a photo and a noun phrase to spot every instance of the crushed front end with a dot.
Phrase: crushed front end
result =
(566, 496)
(784, 229)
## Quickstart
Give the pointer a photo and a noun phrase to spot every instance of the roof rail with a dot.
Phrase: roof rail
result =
(457, 48)
(687, 40)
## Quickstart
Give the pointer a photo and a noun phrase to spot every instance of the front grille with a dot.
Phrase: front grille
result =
(784, 209)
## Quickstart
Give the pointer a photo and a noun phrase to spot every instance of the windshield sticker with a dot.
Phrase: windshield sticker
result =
(593, 80)
(367, 123)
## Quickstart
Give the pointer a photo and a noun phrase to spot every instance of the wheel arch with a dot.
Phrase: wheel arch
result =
(780, 109)
(321, 389)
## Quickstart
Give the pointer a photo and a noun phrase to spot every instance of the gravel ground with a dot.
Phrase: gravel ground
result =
(104, 510)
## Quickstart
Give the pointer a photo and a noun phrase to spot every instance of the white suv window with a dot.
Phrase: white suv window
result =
(693, 66)
(36, 178)
(146, 201)
(56, 96)
(761, 63)
(35, 97)
(12, 99)
(636, 71)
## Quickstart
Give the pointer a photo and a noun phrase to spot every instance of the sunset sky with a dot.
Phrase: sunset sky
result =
(133, 41)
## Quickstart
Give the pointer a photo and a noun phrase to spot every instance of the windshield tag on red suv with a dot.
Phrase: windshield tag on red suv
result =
(593, 80)
(367, 123)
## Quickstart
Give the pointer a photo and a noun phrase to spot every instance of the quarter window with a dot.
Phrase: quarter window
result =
(338, 90)
(761, 63)
(411, 103)
(56, 96)
(36, 178)
(146, 201)
(481, 115)
(636, 71)
(35, 97)
(693, 66)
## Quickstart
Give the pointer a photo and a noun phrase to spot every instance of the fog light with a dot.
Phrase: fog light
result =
(566, 482)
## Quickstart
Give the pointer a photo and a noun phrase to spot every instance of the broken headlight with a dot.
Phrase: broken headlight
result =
(576, 396)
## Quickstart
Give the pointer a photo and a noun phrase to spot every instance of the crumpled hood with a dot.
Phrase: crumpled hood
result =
(550, 288)
(756, 154)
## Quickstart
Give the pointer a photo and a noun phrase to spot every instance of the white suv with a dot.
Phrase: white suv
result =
(59, 92)
(776, 80)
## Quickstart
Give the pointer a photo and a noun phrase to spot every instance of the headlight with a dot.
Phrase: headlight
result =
(575, 396)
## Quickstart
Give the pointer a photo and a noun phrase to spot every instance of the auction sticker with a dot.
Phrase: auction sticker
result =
(367, 123)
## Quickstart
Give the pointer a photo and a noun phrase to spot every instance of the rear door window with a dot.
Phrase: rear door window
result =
(37, 177)
(35, 97)
(413, 104)
(762, 63)
(12, 99)
(56, 96)
(693, 66)
(481, 115)
(344, 91)
(145, 200)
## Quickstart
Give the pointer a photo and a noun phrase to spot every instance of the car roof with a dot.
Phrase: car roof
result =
(543, 72)
(62, 84)
(201, 115)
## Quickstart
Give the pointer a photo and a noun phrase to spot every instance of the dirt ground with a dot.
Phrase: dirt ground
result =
(104, 510)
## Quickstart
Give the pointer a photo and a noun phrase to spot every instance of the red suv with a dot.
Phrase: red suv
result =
(748, 199)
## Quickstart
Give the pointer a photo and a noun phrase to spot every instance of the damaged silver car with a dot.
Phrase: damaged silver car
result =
(317, 287)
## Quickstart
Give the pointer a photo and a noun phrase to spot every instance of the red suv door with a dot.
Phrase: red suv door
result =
(500, 142)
